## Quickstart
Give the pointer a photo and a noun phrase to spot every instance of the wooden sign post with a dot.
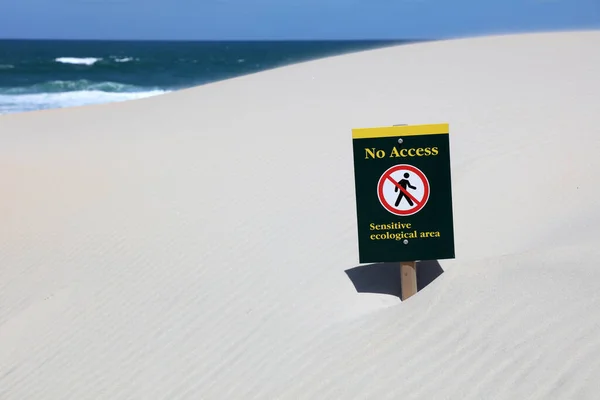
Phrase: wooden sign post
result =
(403, 196)
(408, 273)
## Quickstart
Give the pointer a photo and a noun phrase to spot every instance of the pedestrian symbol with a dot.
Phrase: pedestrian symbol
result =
(403, 190)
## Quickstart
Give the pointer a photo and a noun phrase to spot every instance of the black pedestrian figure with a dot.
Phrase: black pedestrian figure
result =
(404, 183)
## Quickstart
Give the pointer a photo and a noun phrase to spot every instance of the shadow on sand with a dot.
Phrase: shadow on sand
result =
(384, 278)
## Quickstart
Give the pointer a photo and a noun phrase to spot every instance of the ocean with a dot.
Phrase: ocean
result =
(43, 74)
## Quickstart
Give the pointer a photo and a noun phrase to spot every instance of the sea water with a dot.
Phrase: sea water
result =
(43, 74)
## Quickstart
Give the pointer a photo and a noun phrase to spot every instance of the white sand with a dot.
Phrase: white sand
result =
(194, 245)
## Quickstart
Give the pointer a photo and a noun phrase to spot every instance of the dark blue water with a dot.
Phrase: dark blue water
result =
(50, 74)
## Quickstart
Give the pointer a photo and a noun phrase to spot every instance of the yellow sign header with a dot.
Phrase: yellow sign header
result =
(402, 130)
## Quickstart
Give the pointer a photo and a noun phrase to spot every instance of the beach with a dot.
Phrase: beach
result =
(198, 244)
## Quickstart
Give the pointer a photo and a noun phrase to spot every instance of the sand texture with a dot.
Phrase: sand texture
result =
(200, 244)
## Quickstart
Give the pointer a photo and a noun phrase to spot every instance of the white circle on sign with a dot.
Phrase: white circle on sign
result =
(403, 190)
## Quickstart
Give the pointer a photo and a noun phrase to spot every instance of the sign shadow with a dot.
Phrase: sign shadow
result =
(384, 278)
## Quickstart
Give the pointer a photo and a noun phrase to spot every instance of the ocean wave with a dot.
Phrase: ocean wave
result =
(122, 59)
(77, 60)
(74, 86)
(40, 101)
(90, 61)
(60, 94)
(6, 66)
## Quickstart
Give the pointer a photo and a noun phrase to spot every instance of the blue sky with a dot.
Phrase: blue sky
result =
(289, 19)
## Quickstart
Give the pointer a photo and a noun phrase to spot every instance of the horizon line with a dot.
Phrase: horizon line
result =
(221, 40)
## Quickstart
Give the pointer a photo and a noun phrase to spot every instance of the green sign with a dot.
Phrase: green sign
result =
(403, 193)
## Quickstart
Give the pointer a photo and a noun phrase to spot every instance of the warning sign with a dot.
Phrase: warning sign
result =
(403, 193)
(403, 190)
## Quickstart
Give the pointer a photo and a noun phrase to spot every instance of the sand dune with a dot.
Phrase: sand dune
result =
(202, 244)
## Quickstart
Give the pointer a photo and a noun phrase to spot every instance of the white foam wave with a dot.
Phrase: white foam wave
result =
(77, 60)
(10, 104)
(123, 59)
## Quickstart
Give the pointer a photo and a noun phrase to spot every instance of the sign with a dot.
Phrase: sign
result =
(403, 193)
